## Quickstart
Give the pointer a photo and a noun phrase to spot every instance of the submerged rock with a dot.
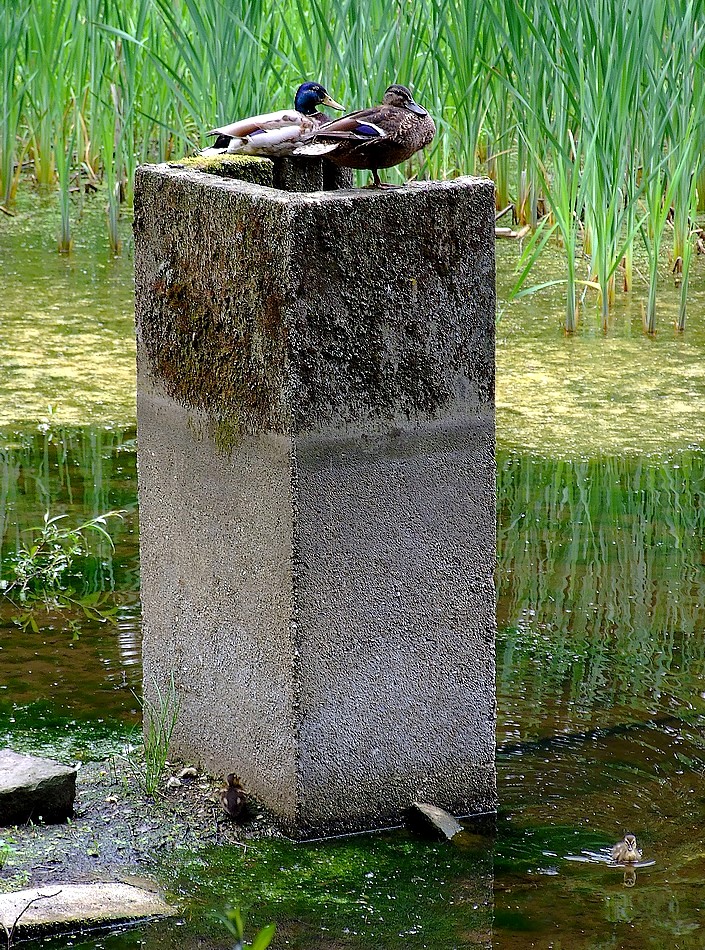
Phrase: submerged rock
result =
(436, 820)
(60, 907)
(33, 789)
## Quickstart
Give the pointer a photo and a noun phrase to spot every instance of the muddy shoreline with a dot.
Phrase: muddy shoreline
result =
(118, 832)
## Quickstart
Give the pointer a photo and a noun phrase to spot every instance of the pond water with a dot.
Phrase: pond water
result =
(600, 656)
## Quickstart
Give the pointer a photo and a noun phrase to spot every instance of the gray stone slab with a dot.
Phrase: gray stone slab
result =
(316, 466)
(63, 907)
(34, 789)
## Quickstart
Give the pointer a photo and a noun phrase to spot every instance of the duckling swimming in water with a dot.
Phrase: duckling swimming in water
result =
(233, 797)
(626, 851)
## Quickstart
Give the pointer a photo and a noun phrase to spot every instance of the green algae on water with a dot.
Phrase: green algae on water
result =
(593, 393)
(67, 350)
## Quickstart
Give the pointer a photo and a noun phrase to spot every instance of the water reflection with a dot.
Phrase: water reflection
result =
(80, 472)
(601, 590)
(601, 674)
(601, 683)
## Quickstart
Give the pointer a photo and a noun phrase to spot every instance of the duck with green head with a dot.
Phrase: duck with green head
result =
(375, 138)
(275, 133)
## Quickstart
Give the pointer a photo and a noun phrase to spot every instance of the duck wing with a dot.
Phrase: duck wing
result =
(360, 126)
(263, 123)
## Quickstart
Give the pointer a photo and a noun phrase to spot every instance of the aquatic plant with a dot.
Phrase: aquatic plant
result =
(160, 714)
(12, 94)
(686, 71)
(557, 163)
(42, 573)
(235, 923)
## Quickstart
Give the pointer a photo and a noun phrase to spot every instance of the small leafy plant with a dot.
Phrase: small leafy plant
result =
(235, 923)
(43, 572)
(6, 851)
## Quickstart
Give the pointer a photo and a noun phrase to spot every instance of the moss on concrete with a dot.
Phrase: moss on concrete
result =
(259, 171)
(214, 293)
(367, 305)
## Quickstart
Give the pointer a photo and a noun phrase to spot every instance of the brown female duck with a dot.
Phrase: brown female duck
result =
(375, 138)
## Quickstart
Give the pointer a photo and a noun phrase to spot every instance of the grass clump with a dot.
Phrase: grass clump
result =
(160, 714)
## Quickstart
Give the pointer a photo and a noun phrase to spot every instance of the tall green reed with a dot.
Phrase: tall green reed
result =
(499, 139)
(687, 132)
(519, 25)
(13, 25)
(557, 160)
(63, 157)
(45, 39)
(553, 92)
(469, 39)
(609, 101)
(658, 183)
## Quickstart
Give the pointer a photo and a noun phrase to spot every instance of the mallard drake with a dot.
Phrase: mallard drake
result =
(233, 797)
(375, 138)
(275, 133)
(626, 851)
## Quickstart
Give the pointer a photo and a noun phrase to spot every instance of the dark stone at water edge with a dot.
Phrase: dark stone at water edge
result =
(435, 820)
(34, 789)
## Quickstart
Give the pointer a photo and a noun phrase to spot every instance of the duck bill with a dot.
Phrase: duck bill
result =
(415, 108)
(327, 101)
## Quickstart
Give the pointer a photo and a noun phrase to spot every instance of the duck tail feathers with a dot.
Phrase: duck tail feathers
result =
(316, 148)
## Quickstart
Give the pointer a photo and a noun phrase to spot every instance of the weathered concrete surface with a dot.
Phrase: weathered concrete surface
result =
(316, 461)
(288, 174)
(33, 788)
(61, 907)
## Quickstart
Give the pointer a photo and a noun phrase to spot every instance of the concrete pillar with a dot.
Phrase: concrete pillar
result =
(316, 466)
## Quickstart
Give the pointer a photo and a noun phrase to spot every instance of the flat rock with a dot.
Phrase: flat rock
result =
(62, 907)
(33, 788)
(436, 819)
